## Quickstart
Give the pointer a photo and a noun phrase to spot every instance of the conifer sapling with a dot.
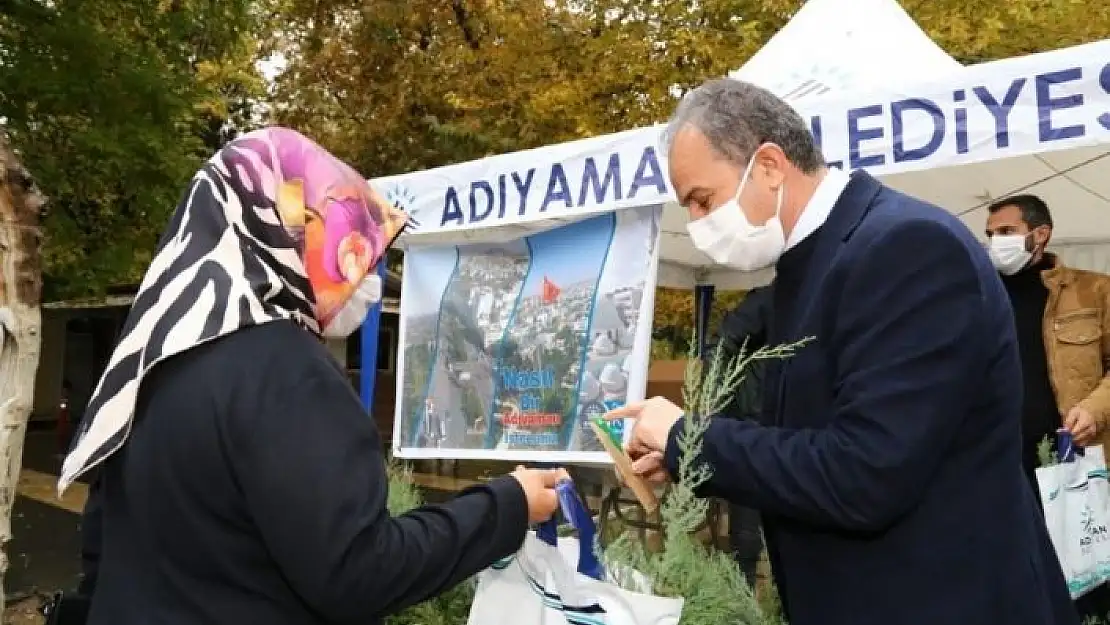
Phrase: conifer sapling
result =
(709, 580)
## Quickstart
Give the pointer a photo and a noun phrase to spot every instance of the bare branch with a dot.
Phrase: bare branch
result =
(462, 16)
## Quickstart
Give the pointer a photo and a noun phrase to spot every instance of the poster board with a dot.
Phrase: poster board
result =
(506, 349)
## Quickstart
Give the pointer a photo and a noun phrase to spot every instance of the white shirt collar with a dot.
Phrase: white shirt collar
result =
(820, 206)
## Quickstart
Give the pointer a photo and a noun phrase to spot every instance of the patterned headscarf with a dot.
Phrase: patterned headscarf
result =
(272, 227)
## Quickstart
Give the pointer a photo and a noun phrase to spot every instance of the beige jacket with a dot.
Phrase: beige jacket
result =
(1077, 341)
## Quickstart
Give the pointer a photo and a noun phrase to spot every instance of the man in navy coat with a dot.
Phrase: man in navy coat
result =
(890, 480)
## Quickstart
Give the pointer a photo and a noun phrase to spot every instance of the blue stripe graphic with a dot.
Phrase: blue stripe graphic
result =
(493, 432)
(568, 427)
(418, 425)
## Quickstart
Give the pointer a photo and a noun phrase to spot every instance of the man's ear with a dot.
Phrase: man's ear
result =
(773, 162)
(1043, 235)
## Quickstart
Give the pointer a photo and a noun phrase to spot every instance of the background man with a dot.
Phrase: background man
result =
(1063, 332)
(896, 448)
(1063, 327)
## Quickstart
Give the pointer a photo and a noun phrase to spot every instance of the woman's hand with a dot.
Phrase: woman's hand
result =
(539, 490)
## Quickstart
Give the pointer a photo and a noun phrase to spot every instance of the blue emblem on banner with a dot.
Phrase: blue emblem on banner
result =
(400, 197)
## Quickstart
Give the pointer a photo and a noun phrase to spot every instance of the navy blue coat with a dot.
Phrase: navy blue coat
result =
(891, 484)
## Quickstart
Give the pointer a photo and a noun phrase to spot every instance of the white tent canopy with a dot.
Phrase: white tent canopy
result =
(833, 46)
(961, 138)
(836, 53)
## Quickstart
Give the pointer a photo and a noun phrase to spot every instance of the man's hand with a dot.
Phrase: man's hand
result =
(652, 468)
(654, 419)
(1081, 424)
(539, 489)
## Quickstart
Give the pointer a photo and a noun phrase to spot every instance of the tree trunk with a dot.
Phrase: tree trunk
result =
(20, 325)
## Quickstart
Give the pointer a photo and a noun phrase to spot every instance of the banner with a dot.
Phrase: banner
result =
(989, 112)
(1045, 102)
(507, 349)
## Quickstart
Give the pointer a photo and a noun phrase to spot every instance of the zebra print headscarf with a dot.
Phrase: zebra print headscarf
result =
(272, 227)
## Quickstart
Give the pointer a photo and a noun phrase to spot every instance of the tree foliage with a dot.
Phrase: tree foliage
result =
(397, 86)
(113, 105)
(976, 32)
(673, 322)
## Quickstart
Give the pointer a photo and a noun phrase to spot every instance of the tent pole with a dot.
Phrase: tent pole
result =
(369, 337)
(703, 305)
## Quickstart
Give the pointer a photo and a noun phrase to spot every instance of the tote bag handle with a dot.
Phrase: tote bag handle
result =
(576, 513)
(1066, 449)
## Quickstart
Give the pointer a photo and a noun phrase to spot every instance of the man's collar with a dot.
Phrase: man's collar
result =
(1057, 273)
(820, 206)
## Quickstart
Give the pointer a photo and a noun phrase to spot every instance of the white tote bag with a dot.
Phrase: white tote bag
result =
(559, 581)
(1076, 498)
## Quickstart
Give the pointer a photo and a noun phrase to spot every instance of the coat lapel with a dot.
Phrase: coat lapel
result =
(846, 215)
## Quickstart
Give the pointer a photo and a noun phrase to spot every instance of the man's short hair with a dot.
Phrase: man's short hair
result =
(737, 117)
(1034, 211)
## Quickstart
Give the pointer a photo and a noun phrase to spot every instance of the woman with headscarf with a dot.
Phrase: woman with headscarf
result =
(241, 480)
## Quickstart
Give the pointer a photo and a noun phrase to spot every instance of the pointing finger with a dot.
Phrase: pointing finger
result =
(627, 411)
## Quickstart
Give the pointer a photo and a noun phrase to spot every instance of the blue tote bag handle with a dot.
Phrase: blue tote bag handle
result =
(579, 518)
(1066, 449)
(548, 532)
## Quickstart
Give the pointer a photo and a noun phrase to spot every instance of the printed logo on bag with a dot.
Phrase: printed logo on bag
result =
(1093, 530)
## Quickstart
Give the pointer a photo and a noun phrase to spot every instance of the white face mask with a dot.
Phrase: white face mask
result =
(350, 317)
(1008, 253)
(726, 235)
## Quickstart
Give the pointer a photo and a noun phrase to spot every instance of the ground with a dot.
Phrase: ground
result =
(46, 533)
(24, 612)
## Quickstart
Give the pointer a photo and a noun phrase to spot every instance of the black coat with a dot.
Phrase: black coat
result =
(253, 490)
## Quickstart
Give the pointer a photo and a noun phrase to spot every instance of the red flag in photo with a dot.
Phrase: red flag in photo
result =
(550, 291)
